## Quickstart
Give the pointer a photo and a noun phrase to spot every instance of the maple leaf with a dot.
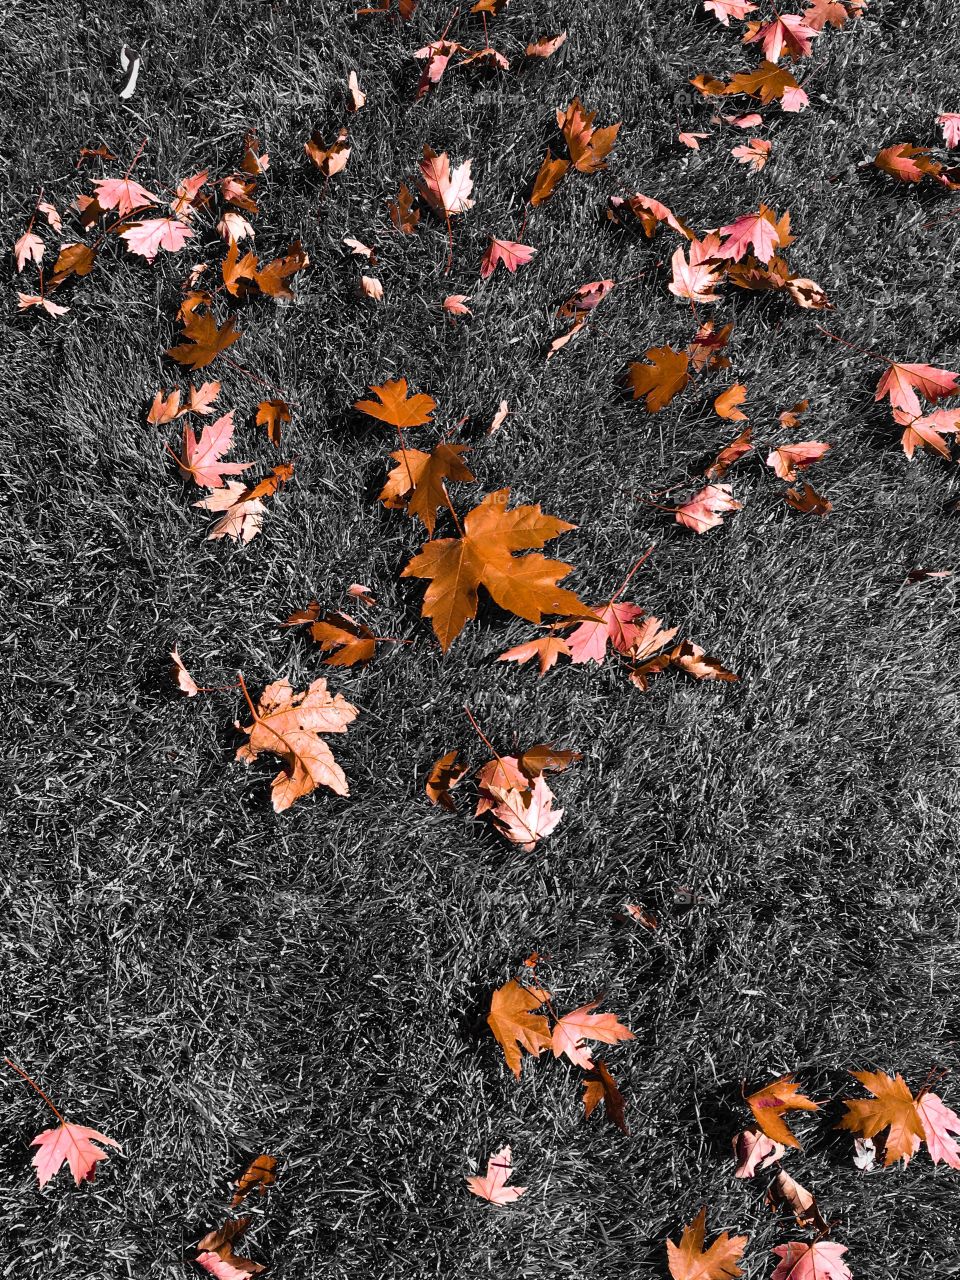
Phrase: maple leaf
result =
(396, 408)
(649, 213)
(546, 649)
(824, 12)
(688, 1260)
(51, 214)
(822, 1260)
(73, 1144)
(444, 775)
(73, 260)
(515, 1024)
(29, 248)
(937, 1119)
(754, 1151)
(492, 1185)
(892, 1109)
(663, 378)
(446, 192)
(259, 1174)
(696, 662)
(724, 10)
(220, 1269)
(759, 229)
(357, 97)
(787, 460)
(697, 279)
(402, 213)
(617, 624)
(535, 760)
(755, 153)
(768, 83)
(242, 517)
(807, 501)
(233, 226)
(548, 175)
(725, 405)
(588, 147)
(524, 815)
(122, 194)
(705, 510)
(346, 640)
(217, 1256)
(901, 382)
(148, 238)
(417, 482)
(907, 163)
(573, 1029)
(785, 1192)
(484, 556)
(27, 300)
(770, 1104)
(288, 725)
(437, 54)
(692, 140)
(707, 346)
(730, 454)
(455, 305)
(600, 1086)
(786, 32)
(274, 415)
(204, 340)
(927, 432)
(329, 160)
(508, 252)
(791, 417)
(586, 298)
(545, 46)
(949, 123)
(200, 459)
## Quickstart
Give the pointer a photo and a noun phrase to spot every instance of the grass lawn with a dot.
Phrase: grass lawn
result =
(203, 979)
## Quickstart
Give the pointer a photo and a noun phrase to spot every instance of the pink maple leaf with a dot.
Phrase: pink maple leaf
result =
(573, 1029)
(122, 194)
(72, 1143)
(509, 252)
(200, 459)
(148, 238)
(492, 1186)
(705, 510)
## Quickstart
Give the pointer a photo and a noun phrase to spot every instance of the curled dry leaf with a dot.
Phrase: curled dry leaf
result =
(289, 725)
(260, 1174)
(730, 454)
(492, 1186)
(754, 1151)
(546, 46)
(181, 676)
(807, 501)
(788, 459)
(650, 213)
(329, 160)
(600, 1086)
(216, 1253)
(785, 1192)
(444, 775)
(588, 147)
(791, 417)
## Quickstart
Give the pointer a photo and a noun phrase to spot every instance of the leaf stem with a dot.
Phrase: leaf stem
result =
(36, 1088)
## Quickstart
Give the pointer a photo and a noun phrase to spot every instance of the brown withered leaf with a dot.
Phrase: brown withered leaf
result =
(549, 174)
(259, 1174)
(689, 657)
(274, 415)
(73, 260)
(727, 404)
(730, 454)
(444, 775)
(791, 417)
(203, 340)
(772, 1102)
(785, 1192)
(329, 160)
(396, 408)
(543, 758)
(663, 378)
(417, 483)
(546, 649)
(346, 640)
(600, 1086)
(588, 147)
(402, 213)
(219, 1244)
(807, 501)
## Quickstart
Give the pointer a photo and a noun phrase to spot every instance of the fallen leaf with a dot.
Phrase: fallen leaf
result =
(649, 213)
(549, 174)
(204, 341)
(508, 252)
(772, 1102)
(785, 1192)
(574, 1029)
(692, 140)
(822, 1260)
(524, 815)
(122, 194)
(454, 305)
(288, 725)
(791, 417)
(260, 1174)
(200, 460)
(499, 418)
(329, 160)
(492, 1185)
(726, 403)
(706, 509)
(217, 1255)
(515, 1024)
(600, 1086)
(27, 300)
(181, 676)
(696, 279)
(546, 46)
(807, 501)
(949, 122)
(689, 657)
(148, 238)
(788, 459)
(754, 1151)
(908, 163)
(484, 556)
(274, 415)
(688, 1260)
(446, 192)
(924, 575)
(546, 649)
(663, 378)
(396, 408)
(73, 1144)
(73, 260)
(29, 248)
(724, 10)
(585, 299)
(342, 637)
(372, 287)
(755, 153)
(417, 483)
(588, 147)
(730, 454)
(905, 1121)
(786, 33)
(402, 213)
(901, 382)
(242, 517)
(760, 230)
(444, 775)
(357, 97)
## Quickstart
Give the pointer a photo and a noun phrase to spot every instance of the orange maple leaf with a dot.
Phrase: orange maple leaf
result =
(688, 1260)
(770, 1103)
(514, 1023)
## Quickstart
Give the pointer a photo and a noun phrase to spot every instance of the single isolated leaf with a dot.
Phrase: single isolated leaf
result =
(706, 509)
(221, 1269)
(342, 637)
(949, 122)
(807, 501)
(492, 1186)
(760, 230)
(509, 252)
(357, 97)
(822, 1260)
(907, 163)
(436, 57)
(260, 1174)
(484, 556)
(785, 1192)
(274, 415)
(574, 1029)
(588, 147)
(72, 1144)
(692, 140)
(513, 1021)
(181, 676)
(772, 1102)
(791, 417)
(688, 1260)
(454, 304)
(600, 1086)
(727, 402)
(418, 481)
(396, 408)
(499, 418)
(444, 775)
(372, 288)
(585, 299)
(546, 46)
(329, 160)
(288, 725)
(663, 378)
(788, 459)
(447, 193)
(27, 300)
(73, 260)
(696, 662)
(730, 454)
